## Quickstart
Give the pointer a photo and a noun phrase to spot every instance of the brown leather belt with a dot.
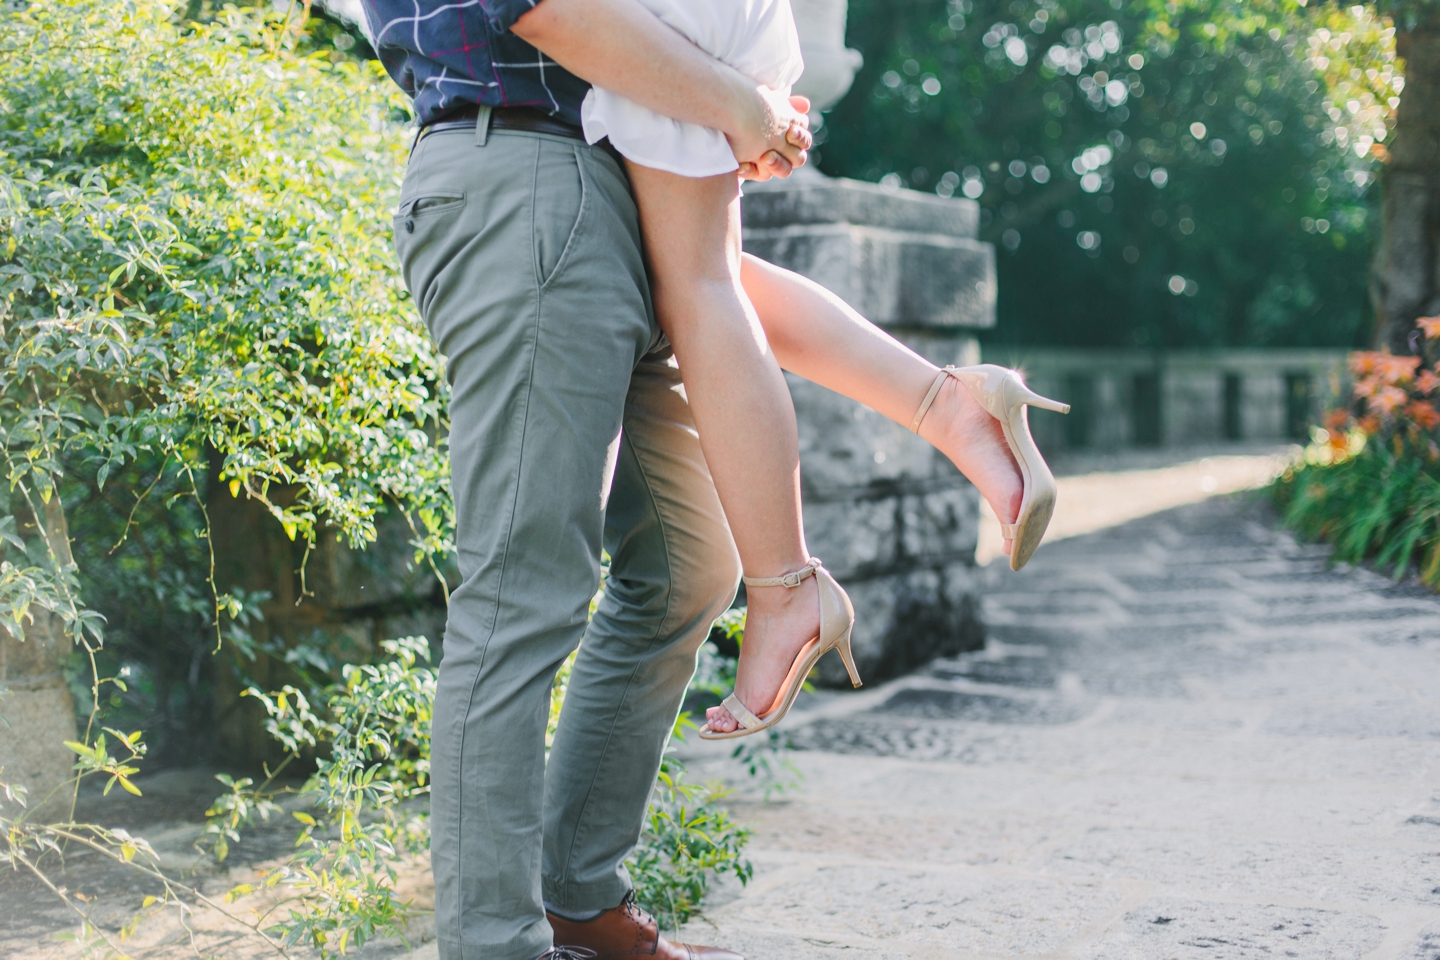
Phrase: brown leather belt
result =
(505, 118)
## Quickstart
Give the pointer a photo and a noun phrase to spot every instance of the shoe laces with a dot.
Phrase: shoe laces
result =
(567, 953)
(632, 906)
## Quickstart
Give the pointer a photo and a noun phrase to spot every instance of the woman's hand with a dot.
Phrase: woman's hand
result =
(777, 134)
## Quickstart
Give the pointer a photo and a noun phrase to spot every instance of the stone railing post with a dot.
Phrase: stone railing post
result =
(890, 516)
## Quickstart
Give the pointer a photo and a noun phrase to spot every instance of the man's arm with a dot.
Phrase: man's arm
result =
(623, 47)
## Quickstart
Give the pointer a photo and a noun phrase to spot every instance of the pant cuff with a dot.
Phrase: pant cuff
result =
(586, 897)
(516, 950)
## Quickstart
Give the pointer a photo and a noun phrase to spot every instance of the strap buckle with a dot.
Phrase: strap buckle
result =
(789, 580)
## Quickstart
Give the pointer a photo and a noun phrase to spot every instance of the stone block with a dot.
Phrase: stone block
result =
(904, 620)
(850, 450)
(809, 199)
(847, 447)
(894, 278)
(855, 538)
(900, 257)
(891, 517)
(862, 537)
(942, 524)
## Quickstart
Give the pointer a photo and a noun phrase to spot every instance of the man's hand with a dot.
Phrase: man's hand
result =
(622, 46)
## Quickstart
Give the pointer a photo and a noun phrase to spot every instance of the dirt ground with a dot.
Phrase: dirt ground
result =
(35, 923)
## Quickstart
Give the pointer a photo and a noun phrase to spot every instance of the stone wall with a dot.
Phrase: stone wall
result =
(891, 517)
(1124, 398)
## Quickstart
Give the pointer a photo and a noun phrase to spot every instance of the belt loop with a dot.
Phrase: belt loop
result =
(482, 126)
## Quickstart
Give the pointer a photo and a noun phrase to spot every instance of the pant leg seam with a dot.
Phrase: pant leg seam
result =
(659, 631)
(504, 557)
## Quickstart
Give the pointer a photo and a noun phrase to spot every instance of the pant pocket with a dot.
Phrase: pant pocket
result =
(429, 202)
(560, 201)
(422, 226)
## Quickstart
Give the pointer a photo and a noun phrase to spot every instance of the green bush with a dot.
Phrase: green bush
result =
(197, 299)
(1370, 484)
(1378, 505)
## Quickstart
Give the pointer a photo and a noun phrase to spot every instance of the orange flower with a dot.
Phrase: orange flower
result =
(1396, 369)
(1423, 414)
(1426, 382)
(1389, 399)
(1362, 362)
(1370, 425)
(1430, 326)
(1383, 364)
(1337, 419)
(1367, 386)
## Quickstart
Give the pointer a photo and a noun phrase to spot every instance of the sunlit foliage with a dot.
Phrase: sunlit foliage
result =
(197, 256)
(1152, 174)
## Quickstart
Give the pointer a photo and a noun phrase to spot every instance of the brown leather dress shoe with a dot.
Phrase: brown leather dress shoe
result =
(625, 932)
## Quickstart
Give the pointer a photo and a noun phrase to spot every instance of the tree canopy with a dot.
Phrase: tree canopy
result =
(1153, 174)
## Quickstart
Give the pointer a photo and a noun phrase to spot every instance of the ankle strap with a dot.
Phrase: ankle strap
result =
(789, 580)
(930, 397)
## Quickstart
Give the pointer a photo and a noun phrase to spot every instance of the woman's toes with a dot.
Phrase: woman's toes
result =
(720, 720)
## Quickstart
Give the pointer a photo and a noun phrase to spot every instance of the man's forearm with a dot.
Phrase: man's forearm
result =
(623, 47)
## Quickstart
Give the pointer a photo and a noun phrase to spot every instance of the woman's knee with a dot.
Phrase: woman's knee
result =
(707, 588)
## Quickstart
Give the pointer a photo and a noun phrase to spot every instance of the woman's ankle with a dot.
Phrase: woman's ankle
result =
(772, 610)
(959, 427)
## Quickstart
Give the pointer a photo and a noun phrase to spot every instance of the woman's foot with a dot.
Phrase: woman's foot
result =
(975, 442)
(779, 621)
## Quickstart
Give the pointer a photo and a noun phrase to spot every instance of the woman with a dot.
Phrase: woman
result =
(735, 321)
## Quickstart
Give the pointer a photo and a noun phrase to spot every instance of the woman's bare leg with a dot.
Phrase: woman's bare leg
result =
(742, 410)
(816, 335)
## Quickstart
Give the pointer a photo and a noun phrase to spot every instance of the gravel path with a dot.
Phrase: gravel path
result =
(1104, 490)
(1188, 737)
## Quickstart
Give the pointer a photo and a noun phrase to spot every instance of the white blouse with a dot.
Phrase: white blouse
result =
(756, 37)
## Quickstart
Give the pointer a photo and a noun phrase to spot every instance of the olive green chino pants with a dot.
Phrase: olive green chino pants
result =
(569, 431)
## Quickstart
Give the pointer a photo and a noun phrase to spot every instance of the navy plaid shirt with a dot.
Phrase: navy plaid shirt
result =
(447, 55)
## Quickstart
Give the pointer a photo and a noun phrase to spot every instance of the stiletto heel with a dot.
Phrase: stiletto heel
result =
(1026, 395)
(848, 658)
(837, 620)
(1005, 397)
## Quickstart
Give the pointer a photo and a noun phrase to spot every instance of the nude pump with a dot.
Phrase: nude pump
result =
(1005, 397)
(837, 621)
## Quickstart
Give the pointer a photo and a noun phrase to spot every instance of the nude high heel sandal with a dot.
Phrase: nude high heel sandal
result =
(1004, 396)
(837, 620)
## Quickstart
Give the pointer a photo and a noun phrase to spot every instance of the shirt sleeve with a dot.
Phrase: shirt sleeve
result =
(503, 13)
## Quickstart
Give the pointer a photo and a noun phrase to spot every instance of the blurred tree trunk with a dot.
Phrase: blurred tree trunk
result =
(37, 713)
(1405, 284)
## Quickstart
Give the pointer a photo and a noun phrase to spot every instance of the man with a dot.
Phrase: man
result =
(569, 432)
